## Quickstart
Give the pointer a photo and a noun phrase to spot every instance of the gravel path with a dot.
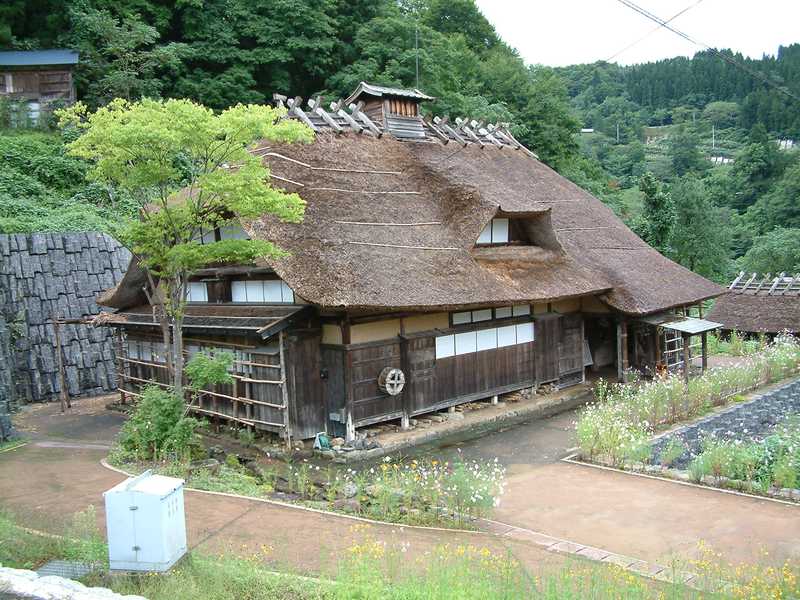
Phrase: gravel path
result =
(749, 421)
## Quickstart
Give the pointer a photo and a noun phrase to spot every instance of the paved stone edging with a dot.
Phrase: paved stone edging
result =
(553, 544)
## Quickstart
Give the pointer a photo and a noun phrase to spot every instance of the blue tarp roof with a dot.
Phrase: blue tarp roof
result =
(25, 58)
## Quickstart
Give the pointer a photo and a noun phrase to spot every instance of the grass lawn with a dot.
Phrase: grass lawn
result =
(372, 570)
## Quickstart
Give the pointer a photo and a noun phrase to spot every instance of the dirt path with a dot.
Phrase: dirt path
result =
(59, 473)
(644, 518)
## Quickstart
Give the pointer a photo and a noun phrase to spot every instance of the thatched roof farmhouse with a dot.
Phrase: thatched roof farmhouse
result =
(441, 253)
(760, 304)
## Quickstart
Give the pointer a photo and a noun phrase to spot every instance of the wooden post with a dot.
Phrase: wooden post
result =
(64, 395)
(285, 392)
(686, 360)
(350, 427)
(704, 338)
(622, 349)
(495, 400)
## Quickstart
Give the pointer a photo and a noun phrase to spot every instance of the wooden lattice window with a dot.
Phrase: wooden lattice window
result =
(403, 107)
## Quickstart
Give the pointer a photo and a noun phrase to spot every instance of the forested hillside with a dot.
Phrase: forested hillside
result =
(656, 127)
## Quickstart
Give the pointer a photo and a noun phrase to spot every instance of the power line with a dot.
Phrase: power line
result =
(652, 31)
(729, 59)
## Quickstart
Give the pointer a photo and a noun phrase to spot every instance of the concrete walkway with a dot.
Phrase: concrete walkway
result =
(650, 519)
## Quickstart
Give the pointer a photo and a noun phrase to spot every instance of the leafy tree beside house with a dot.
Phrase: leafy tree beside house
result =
(190, 172)
(658, 214)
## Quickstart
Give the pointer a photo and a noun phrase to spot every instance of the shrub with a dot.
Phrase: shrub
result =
(698, 469)
(784, 473)
(158, 427)
(671, 452)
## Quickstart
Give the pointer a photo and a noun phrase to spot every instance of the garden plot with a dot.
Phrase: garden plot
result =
(745, 423)
(753, 446)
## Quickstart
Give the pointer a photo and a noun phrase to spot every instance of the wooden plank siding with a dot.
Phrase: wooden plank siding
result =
(547, 339)
(367, 362)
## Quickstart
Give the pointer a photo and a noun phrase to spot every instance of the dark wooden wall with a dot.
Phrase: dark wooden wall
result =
(366, 363)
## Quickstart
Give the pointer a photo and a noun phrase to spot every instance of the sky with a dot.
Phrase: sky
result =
(565, 32)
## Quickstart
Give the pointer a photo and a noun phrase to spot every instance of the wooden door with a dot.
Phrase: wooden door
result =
(570, 348)
(546, 357)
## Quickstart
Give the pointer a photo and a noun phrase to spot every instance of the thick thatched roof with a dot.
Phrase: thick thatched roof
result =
(760, 304)
(392, 224)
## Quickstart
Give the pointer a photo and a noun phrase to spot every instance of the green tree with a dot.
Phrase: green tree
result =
(684, 152)
(780, 206)
(120, 56)
(190, 172)
(701, 239)
(722, 113)
(774, 252)
(658, 214)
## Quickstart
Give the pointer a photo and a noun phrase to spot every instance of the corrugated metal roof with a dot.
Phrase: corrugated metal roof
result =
(380, 91)
(25, 58)
(689, 325)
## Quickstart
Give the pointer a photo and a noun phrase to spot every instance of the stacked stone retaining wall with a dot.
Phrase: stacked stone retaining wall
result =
(43, 275)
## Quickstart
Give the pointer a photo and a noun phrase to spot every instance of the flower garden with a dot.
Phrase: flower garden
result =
(753, 445)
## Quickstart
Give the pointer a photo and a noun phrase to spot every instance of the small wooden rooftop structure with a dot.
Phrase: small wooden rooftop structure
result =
(760, 304)
(38, 75)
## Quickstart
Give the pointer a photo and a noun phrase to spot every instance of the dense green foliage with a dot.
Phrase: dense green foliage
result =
(158, 427)
(43, 189)
(667, 117)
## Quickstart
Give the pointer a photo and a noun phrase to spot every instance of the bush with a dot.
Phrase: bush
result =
(671, 452)
(158, 428)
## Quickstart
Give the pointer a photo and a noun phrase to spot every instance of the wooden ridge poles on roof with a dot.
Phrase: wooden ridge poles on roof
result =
(466, 131)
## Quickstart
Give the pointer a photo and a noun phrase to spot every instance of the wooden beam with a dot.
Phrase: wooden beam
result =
(316, 107)
(294, 108)
(439, 133)
(775, 283)
(622, 349)
(336, 108)
(357, 114)
(686, 356)
(704, 342)
(443, 124)
(64, 393)
(737, 280)
(462, 125)
(284, 390)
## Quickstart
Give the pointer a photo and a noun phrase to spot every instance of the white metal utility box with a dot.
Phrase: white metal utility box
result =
(146, 523)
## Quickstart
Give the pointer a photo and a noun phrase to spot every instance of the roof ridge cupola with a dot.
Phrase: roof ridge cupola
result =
(396, 109)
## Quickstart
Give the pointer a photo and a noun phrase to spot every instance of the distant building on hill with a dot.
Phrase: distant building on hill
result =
(35, 78)
(760, 304)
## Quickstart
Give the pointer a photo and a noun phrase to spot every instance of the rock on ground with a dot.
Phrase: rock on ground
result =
(19, 583)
